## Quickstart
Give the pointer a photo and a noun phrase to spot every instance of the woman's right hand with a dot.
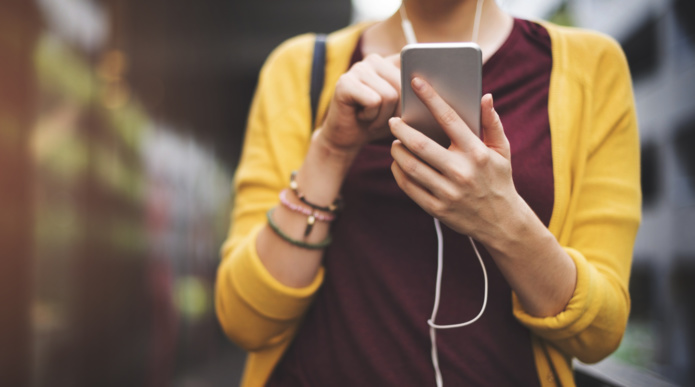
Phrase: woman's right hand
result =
(365, 98)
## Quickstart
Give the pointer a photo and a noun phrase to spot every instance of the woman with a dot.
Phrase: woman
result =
(550, 195)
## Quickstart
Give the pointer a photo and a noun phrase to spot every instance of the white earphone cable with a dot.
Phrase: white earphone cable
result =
(407, 27)
(437, 292)
(411, 39)
(476, 21)
(409, 32)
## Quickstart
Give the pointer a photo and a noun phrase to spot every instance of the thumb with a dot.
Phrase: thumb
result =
(368, 113)
(493, 132)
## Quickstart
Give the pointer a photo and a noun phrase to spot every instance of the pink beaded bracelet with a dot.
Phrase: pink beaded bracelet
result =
(304, 210)
(312, 215)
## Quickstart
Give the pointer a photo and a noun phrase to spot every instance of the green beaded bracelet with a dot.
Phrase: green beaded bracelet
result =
(302, 244)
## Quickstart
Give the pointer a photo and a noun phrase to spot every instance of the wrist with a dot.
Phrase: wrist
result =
(519, 227)
(331, 152)
(325, 167)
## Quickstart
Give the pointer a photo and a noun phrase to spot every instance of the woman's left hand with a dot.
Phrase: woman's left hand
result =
(468, 186)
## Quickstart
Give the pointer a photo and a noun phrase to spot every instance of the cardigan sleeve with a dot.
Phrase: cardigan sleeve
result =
(254, 309)
(604, 209)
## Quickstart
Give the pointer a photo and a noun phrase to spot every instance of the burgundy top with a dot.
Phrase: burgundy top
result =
(368, 324)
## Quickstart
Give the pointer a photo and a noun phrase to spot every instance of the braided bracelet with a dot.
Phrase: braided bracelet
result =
(298, 243)
(312, 215)
(332, 208)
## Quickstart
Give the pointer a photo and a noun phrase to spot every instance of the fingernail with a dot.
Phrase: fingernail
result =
(492, 102)
(392, 121)
(418, 83)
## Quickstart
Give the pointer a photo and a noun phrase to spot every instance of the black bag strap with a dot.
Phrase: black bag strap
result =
(318, 65)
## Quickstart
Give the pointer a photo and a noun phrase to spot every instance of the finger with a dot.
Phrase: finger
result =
(460, 134)
(369, 73)
(419, 144)
(418, 194)
(389, 98)
(368, 114)
(385, 68)
(420, 172)
(392, 73)
(352, 92)
(493, 131)
(394, 59)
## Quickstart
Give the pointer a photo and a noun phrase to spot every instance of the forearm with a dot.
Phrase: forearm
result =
(319, 180)
(537, 268)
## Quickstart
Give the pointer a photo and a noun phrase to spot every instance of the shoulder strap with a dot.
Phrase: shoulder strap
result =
(317, 74)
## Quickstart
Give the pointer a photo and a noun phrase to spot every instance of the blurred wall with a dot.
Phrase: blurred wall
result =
(658, 37)
(120, 128)
(19, 30)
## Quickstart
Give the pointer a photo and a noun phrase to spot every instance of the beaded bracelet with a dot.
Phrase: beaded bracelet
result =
(332, 208)
(304, 210)
(312, 215)
(287, 238)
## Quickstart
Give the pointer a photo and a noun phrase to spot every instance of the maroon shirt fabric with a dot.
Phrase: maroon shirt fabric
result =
(368, 324)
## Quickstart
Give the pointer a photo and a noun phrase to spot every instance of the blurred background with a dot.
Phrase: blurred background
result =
(120, 128)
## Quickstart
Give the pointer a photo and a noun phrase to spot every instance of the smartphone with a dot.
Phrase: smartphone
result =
(455, 71)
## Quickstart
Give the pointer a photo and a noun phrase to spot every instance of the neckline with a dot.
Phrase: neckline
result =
(509, 42)
(494, 58)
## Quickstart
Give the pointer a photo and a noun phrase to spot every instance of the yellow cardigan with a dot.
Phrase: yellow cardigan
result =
(596, 213)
